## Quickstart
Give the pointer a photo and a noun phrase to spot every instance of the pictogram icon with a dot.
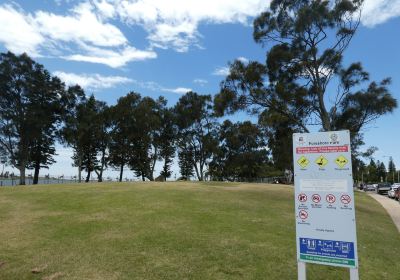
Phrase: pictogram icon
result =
(303, 161)
(345, 199)
(330, 198)
(316, 198)
(321, 161)
(303, 214)
(302, 197)
(341, 161)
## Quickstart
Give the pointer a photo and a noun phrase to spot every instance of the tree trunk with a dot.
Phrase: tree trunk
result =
(143, 178)
(36, 174)
(197, 172)
(151, 177)
(100, 175)
(201, 173)
(88, 177)
(22, 174)
(80, 169)
(121, 172)
(326, 122)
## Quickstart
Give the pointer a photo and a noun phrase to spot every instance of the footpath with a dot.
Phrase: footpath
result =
(392, 207)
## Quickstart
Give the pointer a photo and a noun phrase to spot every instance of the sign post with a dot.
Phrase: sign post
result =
(324, 207)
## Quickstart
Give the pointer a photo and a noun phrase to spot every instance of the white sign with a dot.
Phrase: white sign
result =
(325, 218)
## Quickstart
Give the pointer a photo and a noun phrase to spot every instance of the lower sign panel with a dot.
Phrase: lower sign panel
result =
(330, 252)
(324, 199)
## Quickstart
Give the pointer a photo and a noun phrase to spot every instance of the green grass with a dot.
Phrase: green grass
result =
(172, 231)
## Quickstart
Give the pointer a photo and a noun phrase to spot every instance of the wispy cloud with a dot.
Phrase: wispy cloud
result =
(18, 33)
(92, 81)
(221, 71)
(178, 90)
(174, 23)
(89, 31)
(200, 82)
(113, 58)
(379, 11)
(243, 59)
(79, 35)
(154, 86)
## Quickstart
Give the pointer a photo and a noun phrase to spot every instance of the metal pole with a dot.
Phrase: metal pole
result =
(301, 270)
(354, 274)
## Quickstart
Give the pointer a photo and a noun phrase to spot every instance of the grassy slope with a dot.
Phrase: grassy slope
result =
(172, 231)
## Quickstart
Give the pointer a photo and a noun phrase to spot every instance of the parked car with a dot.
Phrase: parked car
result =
(392, 190)
(383, 188)
(369, 187)
(397, 192)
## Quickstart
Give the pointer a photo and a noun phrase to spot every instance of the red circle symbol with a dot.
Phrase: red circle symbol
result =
(316, 198)
(330, 198)
(303, 214)
(345, 199)
(302, 197)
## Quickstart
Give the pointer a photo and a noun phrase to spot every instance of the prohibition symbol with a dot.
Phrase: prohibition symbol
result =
(303, 214)
(345, 199)
(316, 198)
(330, 198)
(302, 197)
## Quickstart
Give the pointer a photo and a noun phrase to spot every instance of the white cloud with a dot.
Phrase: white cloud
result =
(92, 81)
(153, 86)
(113, 58)
(88, 31)
(18, 33)
(178, 90)
(201, 82)
(81, 26)
(221, 71)
(378, 11)
(174, 23)
(243, 59)
(80, 35)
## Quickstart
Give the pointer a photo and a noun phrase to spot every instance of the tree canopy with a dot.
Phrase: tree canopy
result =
(304, 82)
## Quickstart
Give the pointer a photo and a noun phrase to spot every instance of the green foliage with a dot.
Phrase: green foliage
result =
(381, 171)
(86, 130)
(185, 162)
(308, 39)
(32, 104)
(391, 165)
(241, 152)
(142, 133)
(146, 148)
(167, 140)
(122, 131)
(197, 133)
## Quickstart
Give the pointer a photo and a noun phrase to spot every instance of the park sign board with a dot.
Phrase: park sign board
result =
(325, 216)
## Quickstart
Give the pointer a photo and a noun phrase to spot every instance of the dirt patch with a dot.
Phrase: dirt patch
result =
(2, 264)
(39, 269)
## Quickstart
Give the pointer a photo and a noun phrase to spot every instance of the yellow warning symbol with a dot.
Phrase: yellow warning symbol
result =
(303, 161)
(321, 161)
(341, 161)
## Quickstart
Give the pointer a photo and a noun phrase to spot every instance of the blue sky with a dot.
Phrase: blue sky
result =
(159, 47)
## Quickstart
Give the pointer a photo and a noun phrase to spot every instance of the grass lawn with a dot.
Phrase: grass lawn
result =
(172, 231)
